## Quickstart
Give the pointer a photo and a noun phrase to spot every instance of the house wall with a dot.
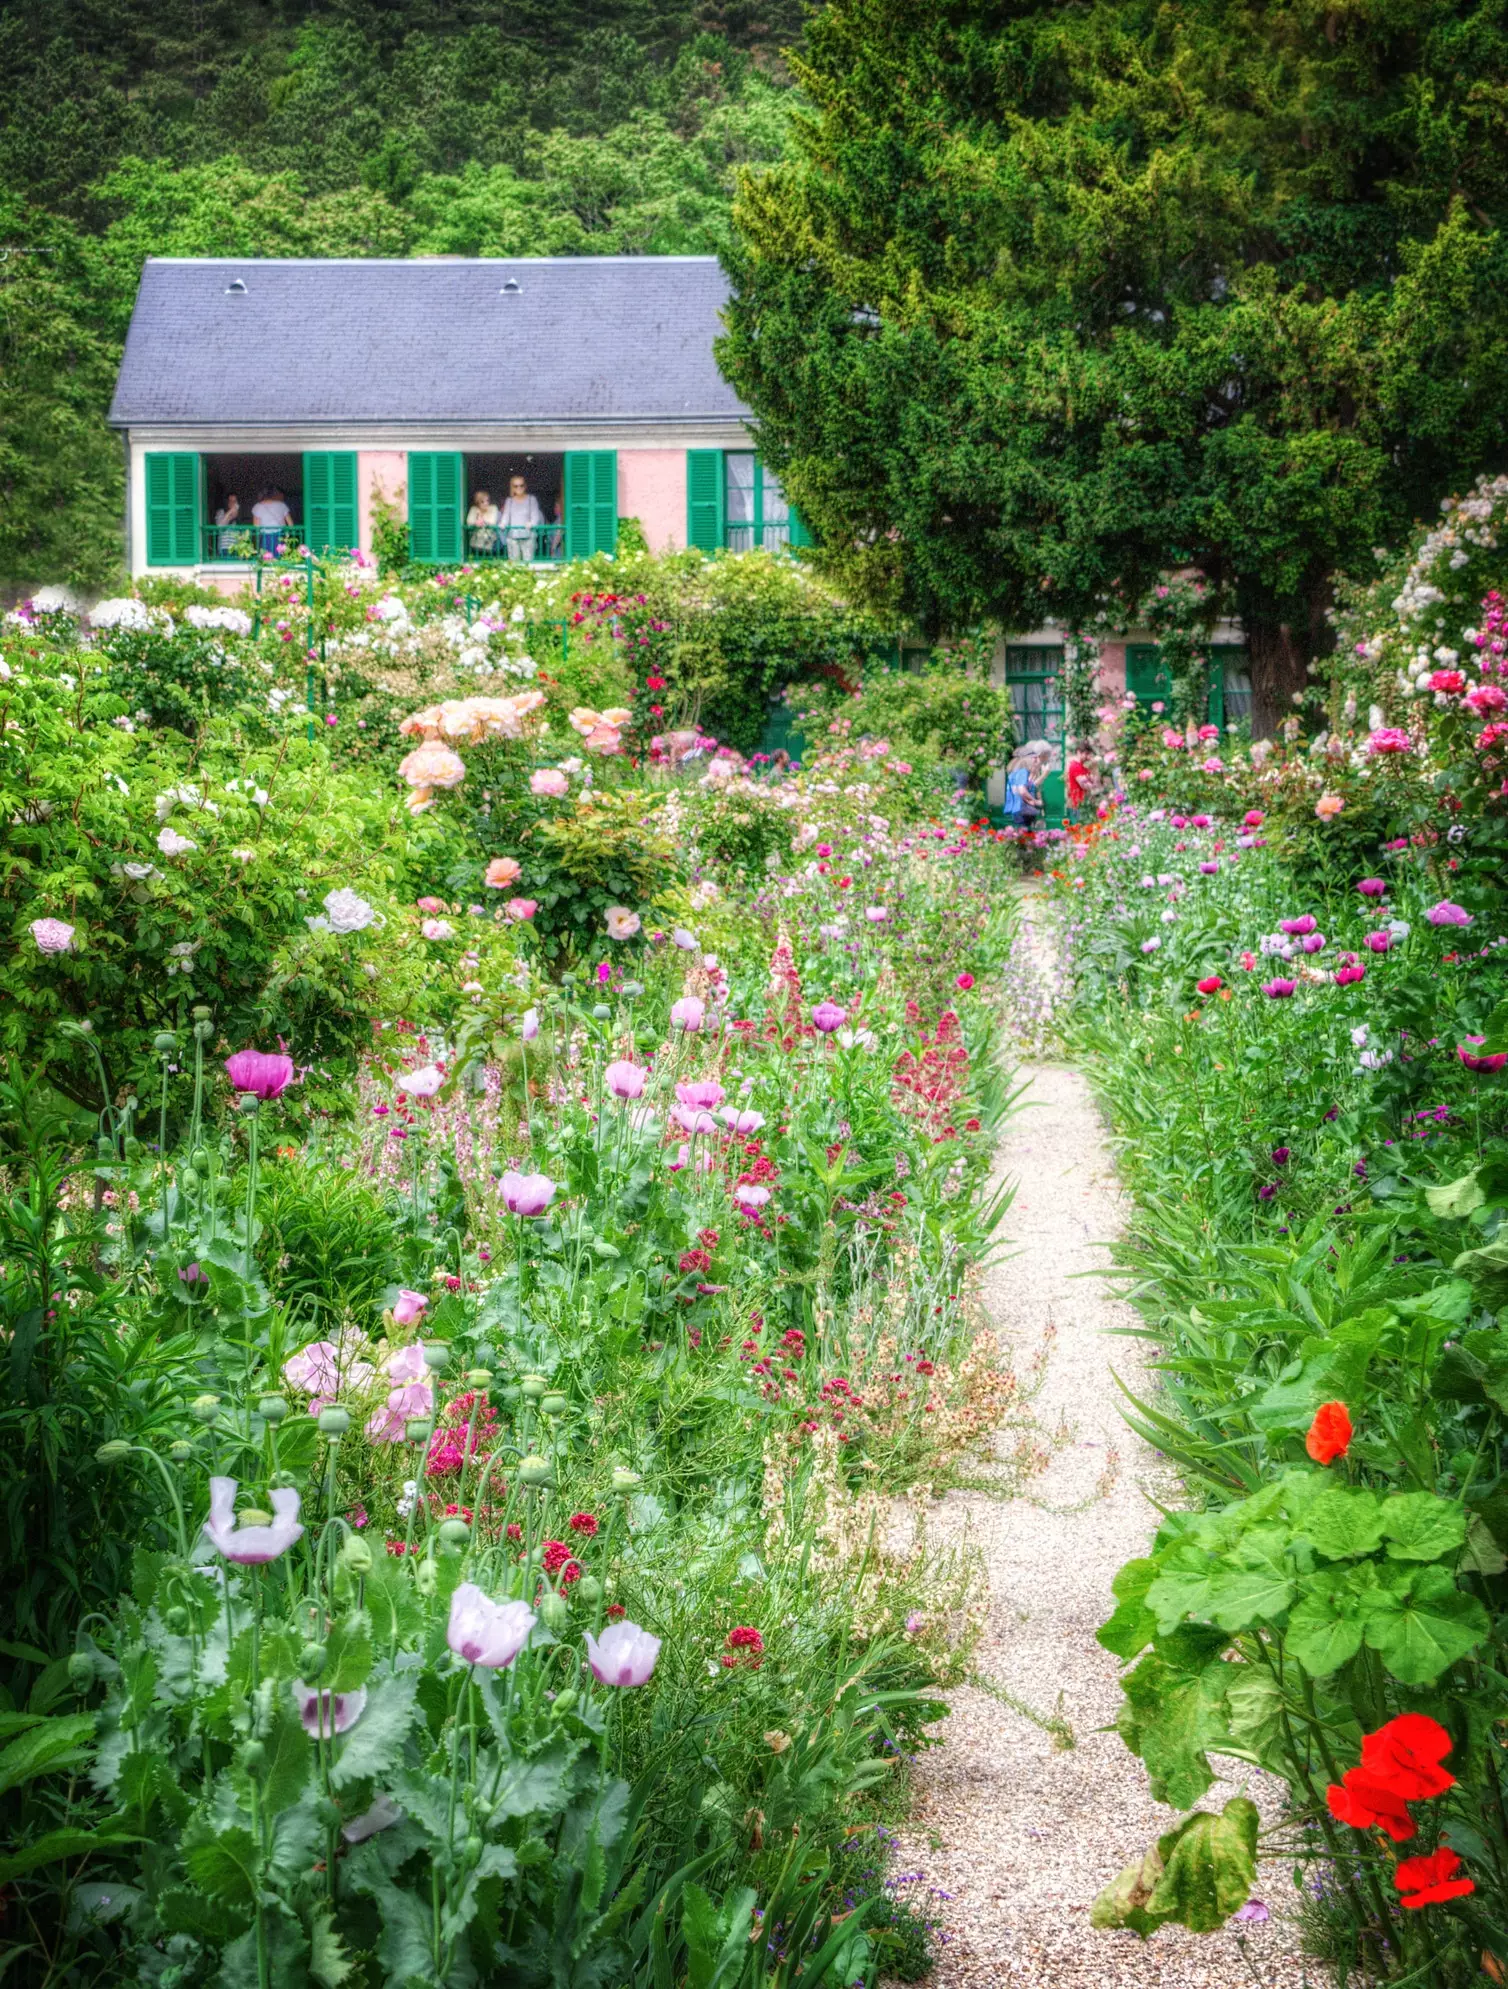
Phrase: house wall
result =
(381, 476)
(652, 488)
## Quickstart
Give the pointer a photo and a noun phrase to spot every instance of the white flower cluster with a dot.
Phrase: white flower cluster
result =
(235, 621)
(125, 612)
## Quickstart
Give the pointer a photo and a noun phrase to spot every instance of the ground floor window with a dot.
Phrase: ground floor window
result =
(732, 500)
(1229, 682)
(515, 506)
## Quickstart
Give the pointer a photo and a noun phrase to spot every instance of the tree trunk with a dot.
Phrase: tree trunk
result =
(1281, 652)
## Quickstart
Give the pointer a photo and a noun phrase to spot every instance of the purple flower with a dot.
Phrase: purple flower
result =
(1445, 913)
(1281, 1155)
(325, 1713)
(1279, 990)
(623, 1655)
(1378, 942)
(1372, 887)
(827, 1016)
(251, 1546)
(1266, 1192)
(1252, 1914)
(527, 1194)
(485, 1632)
(529, 1027)
(1312, 942)
(1209, 869)
(260, 1073)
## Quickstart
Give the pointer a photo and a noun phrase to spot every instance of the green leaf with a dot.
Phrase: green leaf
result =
(1133, 1626)
(57, 1844)
(287, 1951)
(1343, 1525)
(393, 1603)
(376, 1741)
(1420, 1527)
(1457, 1199)
(43, 1749)
(1259, 1587)
(181, 1911)
(1254, 1714)
(1483, 1555)
(1198, 1875)
(1184, 1590)
(290, 1755)
(1170, 1718)
(225, 1865)
(1423, 1625)
(329, 1964)
(1328, 1622)
(348, 1659)
(496, 1862)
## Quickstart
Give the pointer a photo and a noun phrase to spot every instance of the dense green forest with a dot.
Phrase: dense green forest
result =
(350, 127)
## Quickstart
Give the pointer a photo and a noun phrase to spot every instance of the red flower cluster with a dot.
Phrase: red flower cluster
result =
(584, 1523)
(458, 1436)
(930, 1086)
(1400, 1764)
(695, 1260)
(745, 1648)
(557, 1560)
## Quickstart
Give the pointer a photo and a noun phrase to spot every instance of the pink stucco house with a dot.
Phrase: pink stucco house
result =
(326, 389)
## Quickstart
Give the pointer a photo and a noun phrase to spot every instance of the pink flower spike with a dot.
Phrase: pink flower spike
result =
(261, 1075)
(484, 1632)
(623, 1656)
(325, 1713)
(250, 1546)
(527, 1195)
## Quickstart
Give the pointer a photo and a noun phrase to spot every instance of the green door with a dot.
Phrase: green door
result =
(1230, 684)
(173, 485)
(704, 499)
(591, 502)
(1034, 678)
(1146, 679)
(436, 482)
(330, 523)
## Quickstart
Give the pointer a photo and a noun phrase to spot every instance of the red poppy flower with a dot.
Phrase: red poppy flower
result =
(1211, 984)
(1363, 1802)
(1406, 1755)
(1330, 1433)
(1431, 1881)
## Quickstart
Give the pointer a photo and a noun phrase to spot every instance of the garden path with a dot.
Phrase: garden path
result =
(1017, 1832)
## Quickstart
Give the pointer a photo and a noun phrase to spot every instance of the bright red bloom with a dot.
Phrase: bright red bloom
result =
(554, 1556)
(583, 1522)
(1362, 1802)
(1431, 1881)
(745, 1647)
(695, 1260)
(1330, 1433)
(1211, 984)
(615, 1611)
(514, 1530)
(1406, 1754)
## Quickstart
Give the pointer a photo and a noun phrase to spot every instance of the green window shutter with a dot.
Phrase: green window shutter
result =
(704, 499)
(172, 509)
(329, 520)
(434, 504)
(591, 502)
(800, 536)
(1146, 679)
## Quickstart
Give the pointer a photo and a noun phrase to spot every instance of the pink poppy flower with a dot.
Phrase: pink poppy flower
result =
(827, 1016)
(323, 1713)
(701, 1095)
(1445, 913)
(527, 1195)
(624, 1079)
(624, 1655)
(409, 1306)
(484, 1632)
(259, 1074)
(689, 1013)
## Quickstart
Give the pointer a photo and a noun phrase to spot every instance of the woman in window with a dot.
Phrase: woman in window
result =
(481, 525)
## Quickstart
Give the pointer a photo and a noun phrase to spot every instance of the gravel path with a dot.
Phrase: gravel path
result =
(1017, 1831)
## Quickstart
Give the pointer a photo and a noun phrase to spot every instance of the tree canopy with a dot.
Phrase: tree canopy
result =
(1052, 298)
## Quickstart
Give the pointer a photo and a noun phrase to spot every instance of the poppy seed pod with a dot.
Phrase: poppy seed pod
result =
(455, 1533)
(600, 1011)
(553, 1404)
(199, 1159)
(589, 1589)
(204, 1032)
(534, 1386)
(554, 1611)
(180, 1451)
(625, 1480)
(164, 1043)
(204, 1408)
(478, 1377)
(418, 1429)
(312, 1660)
(272, 1408)
(200, 1013)
(534, 1471)
(437, 1356)
(188, 1181)
(334, 1421)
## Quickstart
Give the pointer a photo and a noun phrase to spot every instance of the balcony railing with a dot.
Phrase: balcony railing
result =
(531, 544)
(245, 541)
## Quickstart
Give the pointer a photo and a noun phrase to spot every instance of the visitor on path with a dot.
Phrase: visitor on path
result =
(1023, 786)
(481, 525)
(520, 518)
(1077, 783)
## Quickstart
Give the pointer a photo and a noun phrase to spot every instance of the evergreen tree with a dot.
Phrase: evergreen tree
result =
(1052, 298)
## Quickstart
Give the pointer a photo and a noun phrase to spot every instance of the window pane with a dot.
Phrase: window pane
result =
(1237, 695)
(740, 488)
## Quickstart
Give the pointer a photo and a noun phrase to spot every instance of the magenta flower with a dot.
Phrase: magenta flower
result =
(527, 1194)
(325, 1713)
(692, 1122)
(1209, 869)
(624, 1655)
(1445, 913)
(1373, 887)
(1312, 942)
(689, 1013)
(53, 935)
(877, 914)
(1485, 1066)
(1298, 927)
(1281, 1155)
(260, 1073)
(1389, 739)
(1279, 990)
(409, 1306)
(827, 1016)
(250, 1546)
(1252, 1914)
(624, 1079)
(1349, 973)
(1378, 942)
(485, 1632)
(702, 1095)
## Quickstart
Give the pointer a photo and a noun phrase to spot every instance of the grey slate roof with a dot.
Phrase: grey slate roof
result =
(583, 338)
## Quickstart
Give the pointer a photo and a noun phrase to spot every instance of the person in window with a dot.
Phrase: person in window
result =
(481, 525)
(520, 519)
(227, 518)
(270, 515)
(555, 537)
